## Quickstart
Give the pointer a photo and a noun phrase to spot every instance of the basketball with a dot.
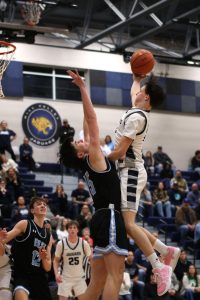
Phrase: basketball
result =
(142, 62)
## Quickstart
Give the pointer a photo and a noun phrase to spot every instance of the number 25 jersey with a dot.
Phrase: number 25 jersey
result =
(72, 257)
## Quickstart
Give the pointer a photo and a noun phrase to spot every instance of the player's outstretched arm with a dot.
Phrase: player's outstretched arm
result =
(88, 109)
(135, 88)
(17, 230)
(86, 131)
(96, 156)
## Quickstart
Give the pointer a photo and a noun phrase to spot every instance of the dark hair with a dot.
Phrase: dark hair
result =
(197, 152)
(72, 223)
(35, 199)
(195, 274)
(68, 155)
(155, 91)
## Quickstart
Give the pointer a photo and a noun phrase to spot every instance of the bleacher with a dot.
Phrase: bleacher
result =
(30, 182)
(166, 226)
(46, 178)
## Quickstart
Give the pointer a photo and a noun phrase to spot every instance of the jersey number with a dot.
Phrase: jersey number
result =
(89, 183)
(35, 258)
(73, 261)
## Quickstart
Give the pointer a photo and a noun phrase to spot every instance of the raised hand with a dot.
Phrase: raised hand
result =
(139, 77)
(77, 80)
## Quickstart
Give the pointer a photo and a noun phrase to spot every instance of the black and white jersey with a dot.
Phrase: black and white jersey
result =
(72, 256)
(104, 186)
(134, 125)
(25, 249)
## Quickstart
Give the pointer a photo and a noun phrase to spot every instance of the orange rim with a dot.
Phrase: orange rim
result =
(7, 45)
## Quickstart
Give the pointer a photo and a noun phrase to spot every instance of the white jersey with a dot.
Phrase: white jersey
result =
(72, 255)
(4, 260)
(5, 271)
(134, 125)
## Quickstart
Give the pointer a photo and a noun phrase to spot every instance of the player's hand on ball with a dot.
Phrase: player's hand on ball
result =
(139, 77)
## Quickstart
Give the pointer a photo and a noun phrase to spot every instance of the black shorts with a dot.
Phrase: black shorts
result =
(108, 233)
(35, 285)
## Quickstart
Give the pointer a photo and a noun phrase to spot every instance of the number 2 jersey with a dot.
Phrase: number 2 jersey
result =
(72, 255)
(25, 249)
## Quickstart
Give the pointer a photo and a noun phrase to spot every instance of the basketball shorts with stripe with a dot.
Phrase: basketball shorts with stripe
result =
(35, 285)
(133, 181)
(108, 233)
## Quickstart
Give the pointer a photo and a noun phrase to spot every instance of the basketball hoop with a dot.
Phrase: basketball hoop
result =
(31, 12)
(6, 53)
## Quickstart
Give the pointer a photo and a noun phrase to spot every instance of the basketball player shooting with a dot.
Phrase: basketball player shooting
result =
(129, 138)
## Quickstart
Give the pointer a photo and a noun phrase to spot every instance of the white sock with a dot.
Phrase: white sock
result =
(154, 260)
(160, 247)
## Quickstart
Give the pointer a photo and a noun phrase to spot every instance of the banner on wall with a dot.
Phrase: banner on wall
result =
(41, 124)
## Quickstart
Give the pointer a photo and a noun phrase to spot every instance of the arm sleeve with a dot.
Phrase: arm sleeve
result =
(133, 125)
(20, 150)
(58, 251)
(12, 133)
(87, 248)
(31, 150)
(73, 194)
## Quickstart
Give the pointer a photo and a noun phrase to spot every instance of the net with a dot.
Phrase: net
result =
(6, 53)
(31, 12)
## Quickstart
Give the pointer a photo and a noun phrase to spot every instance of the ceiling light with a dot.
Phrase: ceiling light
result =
(73, 4)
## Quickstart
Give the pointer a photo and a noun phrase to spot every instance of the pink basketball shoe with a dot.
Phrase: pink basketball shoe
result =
(163, 278)
(172, 257)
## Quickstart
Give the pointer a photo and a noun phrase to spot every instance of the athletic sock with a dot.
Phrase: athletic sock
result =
(154, 260)
(160, 247)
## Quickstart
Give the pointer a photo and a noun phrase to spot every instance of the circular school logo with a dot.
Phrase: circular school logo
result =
(41, 124)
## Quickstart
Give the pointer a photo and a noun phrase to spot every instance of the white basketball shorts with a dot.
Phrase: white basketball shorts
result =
(133, 181)
(77, 285)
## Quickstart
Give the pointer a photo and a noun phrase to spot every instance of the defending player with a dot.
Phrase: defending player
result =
(107, 227)
(130, 134)
(68, 263)
(31, 252)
